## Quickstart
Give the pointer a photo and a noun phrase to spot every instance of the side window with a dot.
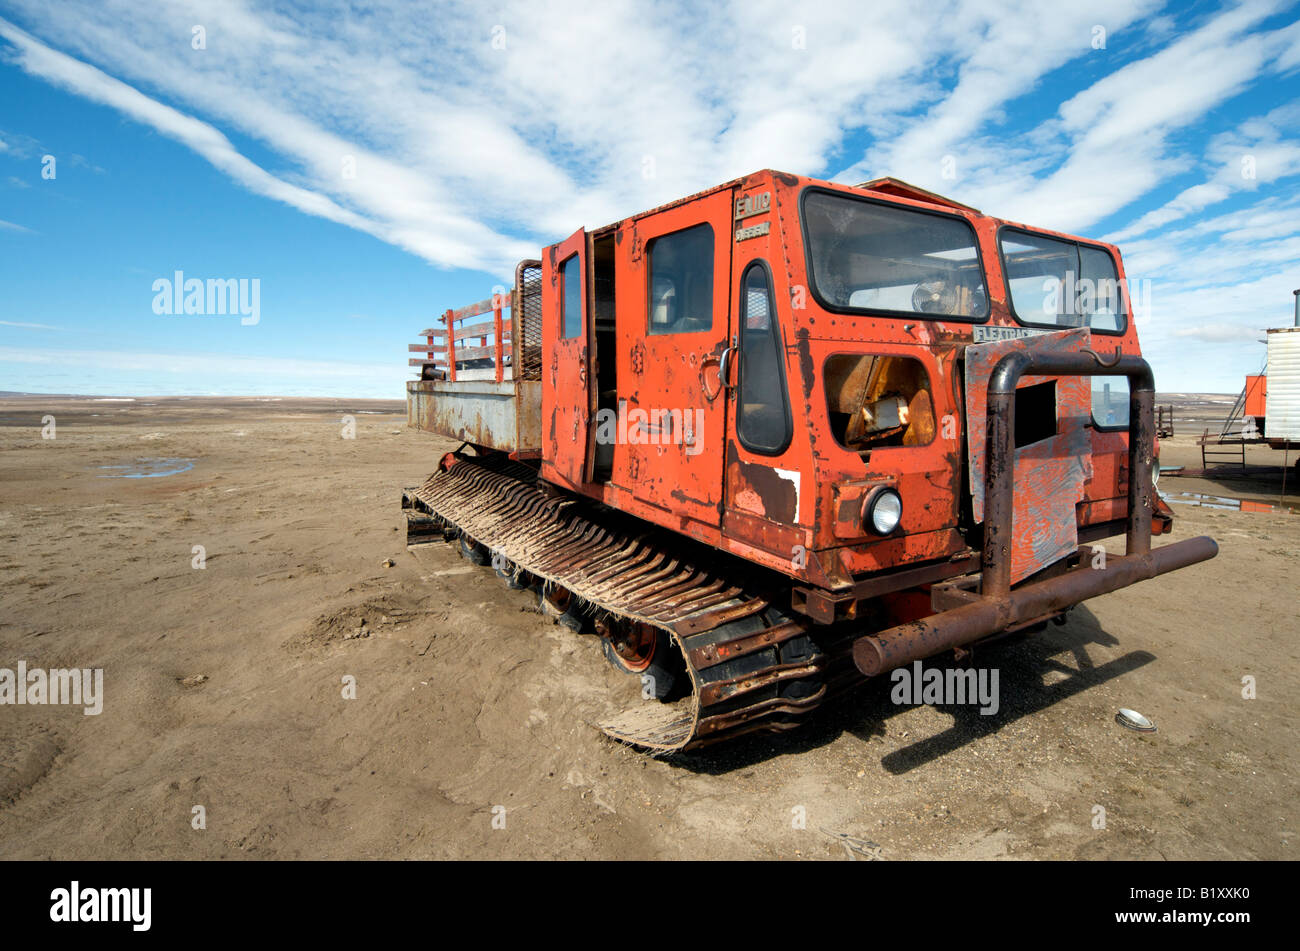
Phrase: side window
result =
(1057, 283)
(763, 408)
(1099, 296)
(571, 297)
(681, 281)
(1038, 270)
(1110, 402)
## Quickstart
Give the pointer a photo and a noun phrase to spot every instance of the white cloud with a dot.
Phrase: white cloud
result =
(201, 365)
(1009, 51)
(386, 220)
(468, 154)
(26, 326)
(1219, 333)
(1254, 155)
(474, 153)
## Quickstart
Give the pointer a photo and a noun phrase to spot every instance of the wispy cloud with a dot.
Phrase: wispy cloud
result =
(25, 326)
(203, 138)
(467, 131)
(1219, 333)
(198, 364)
(10, 226)
(1108, 144)
(110, 372)
(1254, 155)
(473, 137)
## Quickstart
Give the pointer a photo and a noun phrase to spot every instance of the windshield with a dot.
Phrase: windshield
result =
(1056, 283)
(872, 257)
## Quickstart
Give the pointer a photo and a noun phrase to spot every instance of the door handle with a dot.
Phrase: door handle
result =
(724, 365)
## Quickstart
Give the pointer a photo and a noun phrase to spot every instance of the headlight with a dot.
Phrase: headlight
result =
(882, 511)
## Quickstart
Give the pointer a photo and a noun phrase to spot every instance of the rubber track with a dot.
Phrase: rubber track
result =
(750, 668)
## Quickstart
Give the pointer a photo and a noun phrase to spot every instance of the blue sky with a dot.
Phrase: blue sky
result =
(476, 133)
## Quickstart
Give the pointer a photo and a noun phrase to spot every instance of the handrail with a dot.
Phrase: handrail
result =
(999, 475)
(445, 350)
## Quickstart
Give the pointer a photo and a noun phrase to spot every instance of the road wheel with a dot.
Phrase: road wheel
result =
(515, 578)
(558, 603)
(643, 650)
(475, 552)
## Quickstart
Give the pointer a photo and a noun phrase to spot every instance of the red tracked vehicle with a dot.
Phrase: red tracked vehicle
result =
(782, 435)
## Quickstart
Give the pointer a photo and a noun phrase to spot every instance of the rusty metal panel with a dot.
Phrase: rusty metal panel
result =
(1049, 474)
(675, 405)
(505, 415)
(528, 419)
(567, 384)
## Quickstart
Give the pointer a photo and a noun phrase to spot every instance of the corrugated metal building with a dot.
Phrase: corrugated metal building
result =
(1282, 399)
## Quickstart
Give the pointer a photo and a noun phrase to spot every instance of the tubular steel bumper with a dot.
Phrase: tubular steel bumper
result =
(997, 607)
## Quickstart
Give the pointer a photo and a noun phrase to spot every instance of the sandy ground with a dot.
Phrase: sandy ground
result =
(224, 686)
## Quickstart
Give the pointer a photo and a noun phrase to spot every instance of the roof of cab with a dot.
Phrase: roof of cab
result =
(902, 189)
(887, 185)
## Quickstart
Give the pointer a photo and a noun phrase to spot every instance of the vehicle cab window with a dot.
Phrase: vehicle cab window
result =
(763, 421)
(681, 281)
(867, 256)
(1057, 283)
(571, 297)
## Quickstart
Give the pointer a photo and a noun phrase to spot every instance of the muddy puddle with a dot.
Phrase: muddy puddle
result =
(1228, 503)
(147, 469)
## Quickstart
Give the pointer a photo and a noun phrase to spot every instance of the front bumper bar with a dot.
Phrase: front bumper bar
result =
(997, 607)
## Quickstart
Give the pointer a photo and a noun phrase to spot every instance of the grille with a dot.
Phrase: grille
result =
(528, 282)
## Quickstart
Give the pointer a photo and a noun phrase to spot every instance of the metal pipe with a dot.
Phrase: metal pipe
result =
(877, 653)
(998, 607)
(999, 474)
(1297, 307)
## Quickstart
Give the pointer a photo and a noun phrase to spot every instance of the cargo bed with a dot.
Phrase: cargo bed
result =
(505, 415)
(480, 376)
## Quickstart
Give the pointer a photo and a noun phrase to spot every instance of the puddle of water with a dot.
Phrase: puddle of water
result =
(149, 469)
(1202, 500)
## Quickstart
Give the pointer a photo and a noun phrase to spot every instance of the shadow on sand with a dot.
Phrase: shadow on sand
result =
(1022, 665)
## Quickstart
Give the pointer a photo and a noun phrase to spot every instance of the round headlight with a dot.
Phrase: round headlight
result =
(883, 511)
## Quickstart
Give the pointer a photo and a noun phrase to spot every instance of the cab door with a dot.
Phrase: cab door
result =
(675, 404)
(568, 391)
